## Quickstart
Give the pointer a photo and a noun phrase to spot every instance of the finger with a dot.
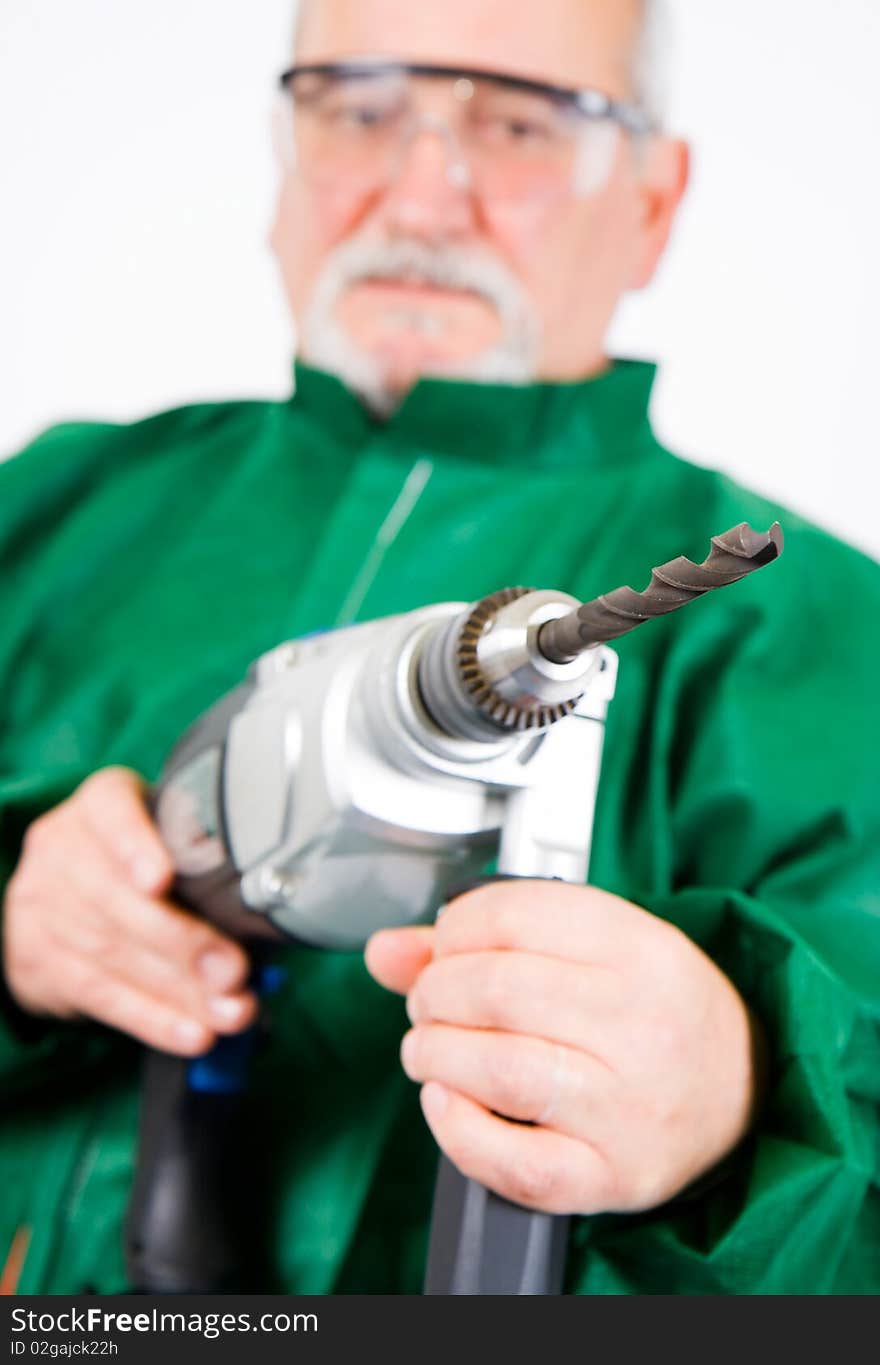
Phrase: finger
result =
(45, 971)
(113, 1001)
(519, 1078)
(543, 997)
(394, 957)
(531, 1166)
(154, 975)
(195, 946)
(578, 923)
(112, 804)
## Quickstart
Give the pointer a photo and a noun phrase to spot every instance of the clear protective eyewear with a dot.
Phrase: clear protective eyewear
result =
(349, 126)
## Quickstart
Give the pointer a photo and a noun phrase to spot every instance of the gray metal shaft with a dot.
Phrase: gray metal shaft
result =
(734, 554)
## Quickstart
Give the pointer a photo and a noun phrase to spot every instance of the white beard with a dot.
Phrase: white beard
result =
(512, 359)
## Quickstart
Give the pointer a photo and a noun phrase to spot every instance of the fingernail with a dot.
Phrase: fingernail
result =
(218, 969)
(189, 1033)
(225, 1009)
(412, 1009)
(435, 1098)
(442, 910)
(408, 1051)
(146, 871)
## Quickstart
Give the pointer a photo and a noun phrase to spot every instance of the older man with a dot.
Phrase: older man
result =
(468, 189)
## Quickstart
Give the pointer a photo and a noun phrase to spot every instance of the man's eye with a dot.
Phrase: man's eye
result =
(515, 130)
(358, 116)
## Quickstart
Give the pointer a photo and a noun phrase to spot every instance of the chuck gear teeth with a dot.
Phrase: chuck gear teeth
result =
(508, 715)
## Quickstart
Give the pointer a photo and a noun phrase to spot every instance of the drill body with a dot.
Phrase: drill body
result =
(322, 800)
(353, 782)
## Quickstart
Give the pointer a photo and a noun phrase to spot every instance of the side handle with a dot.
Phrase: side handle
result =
(481, 1243)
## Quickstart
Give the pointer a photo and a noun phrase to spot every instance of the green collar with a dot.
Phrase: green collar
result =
(585, 422)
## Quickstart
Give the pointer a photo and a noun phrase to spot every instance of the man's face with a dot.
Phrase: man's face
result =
(423, 274)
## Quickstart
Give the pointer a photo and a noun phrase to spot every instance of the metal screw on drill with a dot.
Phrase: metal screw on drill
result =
(278, 886)
(278, 661)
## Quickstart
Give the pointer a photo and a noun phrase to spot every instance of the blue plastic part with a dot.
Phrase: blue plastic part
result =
(225, 1070)
(268, 979)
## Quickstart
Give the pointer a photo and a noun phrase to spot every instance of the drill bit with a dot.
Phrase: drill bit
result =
(734, 554)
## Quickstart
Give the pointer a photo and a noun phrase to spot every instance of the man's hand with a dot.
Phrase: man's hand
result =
(629, 1053)
(87, 931)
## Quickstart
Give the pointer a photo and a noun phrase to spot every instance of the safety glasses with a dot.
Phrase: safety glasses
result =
(350, 126)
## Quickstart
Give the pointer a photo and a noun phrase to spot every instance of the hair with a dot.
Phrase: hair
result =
(649, 70)
(649, 64)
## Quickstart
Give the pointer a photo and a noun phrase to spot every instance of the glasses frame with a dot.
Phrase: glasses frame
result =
(588, 102)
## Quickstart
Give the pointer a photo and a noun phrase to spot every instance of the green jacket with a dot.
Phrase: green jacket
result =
(143, 567)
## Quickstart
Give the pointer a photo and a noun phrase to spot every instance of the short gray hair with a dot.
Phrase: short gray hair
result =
(650, 66)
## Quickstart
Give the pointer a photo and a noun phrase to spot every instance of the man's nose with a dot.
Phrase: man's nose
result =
(429, 195)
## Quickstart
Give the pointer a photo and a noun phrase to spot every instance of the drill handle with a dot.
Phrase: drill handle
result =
(178, 1238)
(185, 1228)
(483, 1244)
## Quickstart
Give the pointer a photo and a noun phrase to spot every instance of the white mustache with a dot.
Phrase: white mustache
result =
(443, 267)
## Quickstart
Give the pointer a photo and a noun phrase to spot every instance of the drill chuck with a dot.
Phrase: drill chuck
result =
(483, 675)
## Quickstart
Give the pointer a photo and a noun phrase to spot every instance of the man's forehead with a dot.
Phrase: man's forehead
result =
(571, 42)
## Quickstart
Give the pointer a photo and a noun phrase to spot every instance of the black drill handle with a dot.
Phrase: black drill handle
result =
(179, 1235)
(183, 1229)
(483, 1244)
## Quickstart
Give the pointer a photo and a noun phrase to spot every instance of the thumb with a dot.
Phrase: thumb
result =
(395, 957)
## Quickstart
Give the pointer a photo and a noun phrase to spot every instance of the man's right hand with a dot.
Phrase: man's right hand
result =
(88, 932)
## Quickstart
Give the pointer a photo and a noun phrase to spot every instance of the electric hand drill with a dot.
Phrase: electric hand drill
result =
(353, 782)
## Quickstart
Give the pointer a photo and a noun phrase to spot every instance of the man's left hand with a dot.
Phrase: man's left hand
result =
(628, 1054)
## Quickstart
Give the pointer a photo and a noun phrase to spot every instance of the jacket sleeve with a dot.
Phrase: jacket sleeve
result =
(759, 836)
(35, 488)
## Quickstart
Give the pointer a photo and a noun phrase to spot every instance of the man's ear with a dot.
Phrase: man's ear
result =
(662, 180)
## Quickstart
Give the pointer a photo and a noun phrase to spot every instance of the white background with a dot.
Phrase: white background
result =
(137, 186)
